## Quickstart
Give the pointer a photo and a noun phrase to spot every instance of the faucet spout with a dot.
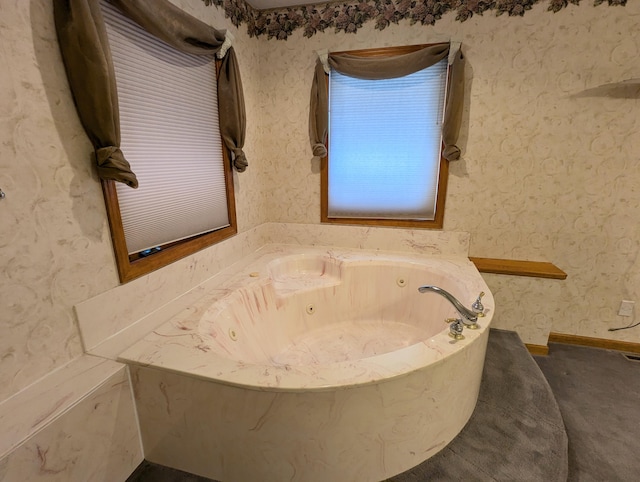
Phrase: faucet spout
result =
(469, 318)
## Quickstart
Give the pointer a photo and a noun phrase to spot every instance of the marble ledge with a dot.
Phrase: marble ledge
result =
(33, 408)
(108, 313)
(417, 241)
(117, 343)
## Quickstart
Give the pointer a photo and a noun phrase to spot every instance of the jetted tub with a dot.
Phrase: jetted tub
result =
(312, 364)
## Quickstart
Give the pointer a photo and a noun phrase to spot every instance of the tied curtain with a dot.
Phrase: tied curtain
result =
(373, 68)
(87, 58)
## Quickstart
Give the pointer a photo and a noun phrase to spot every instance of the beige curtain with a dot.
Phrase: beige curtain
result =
(373, 68)
(231, 109)
(87, 58)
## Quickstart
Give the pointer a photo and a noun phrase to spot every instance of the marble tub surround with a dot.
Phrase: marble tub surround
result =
(37, 405)
(77, 423)
(113, 320)
(115, 310)
(233, 434)
(417, 241)
(312, 363)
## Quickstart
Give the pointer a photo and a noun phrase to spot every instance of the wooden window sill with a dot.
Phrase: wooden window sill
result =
(536, 269)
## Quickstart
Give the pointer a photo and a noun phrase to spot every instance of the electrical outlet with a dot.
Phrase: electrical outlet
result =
(626, 308)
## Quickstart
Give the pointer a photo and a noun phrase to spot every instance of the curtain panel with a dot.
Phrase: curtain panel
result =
(374, 68)
(87, 58)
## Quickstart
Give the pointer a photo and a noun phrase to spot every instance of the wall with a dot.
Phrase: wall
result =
(54, 246)
(550, 166)
(56, 252)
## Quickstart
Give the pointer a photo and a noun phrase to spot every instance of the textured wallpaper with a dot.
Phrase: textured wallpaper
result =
(54, 245)
(550, 160)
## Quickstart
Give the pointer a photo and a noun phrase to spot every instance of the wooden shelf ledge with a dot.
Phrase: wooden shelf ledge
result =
(536, 269)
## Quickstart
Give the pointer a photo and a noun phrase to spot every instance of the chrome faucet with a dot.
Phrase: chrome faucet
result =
(468, 317)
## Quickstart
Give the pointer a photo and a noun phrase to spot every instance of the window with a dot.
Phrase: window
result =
(170, 135)
(384, 163)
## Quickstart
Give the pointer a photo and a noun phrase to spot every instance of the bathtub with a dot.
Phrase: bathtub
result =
(312, 364)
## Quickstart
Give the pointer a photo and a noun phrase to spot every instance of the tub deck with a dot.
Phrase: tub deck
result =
(211, 339)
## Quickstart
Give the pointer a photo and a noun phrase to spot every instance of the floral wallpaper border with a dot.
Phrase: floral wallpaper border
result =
(349, 16)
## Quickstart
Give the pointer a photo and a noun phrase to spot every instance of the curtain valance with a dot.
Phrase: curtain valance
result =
(373, 68)
(87, 57)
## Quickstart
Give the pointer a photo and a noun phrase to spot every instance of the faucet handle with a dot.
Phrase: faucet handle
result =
(455, 329)
(477, 306)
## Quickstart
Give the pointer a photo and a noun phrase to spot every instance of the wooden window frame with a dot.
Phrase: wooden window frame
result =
(443, 175)
(133, 266)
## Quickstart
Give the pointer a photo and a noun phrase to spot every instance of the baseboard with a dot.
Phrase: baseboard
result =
(537, 349)
(625, 346)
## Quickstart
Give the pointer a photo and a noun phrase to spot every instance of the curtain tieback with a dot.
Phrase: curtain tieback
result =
(451, 153)
(319, 150)
(239, 160)
(112, 165)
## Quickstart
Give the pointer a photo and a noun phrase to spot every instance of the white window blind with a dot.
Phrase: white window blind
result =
(384, 145)
(170, 136)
